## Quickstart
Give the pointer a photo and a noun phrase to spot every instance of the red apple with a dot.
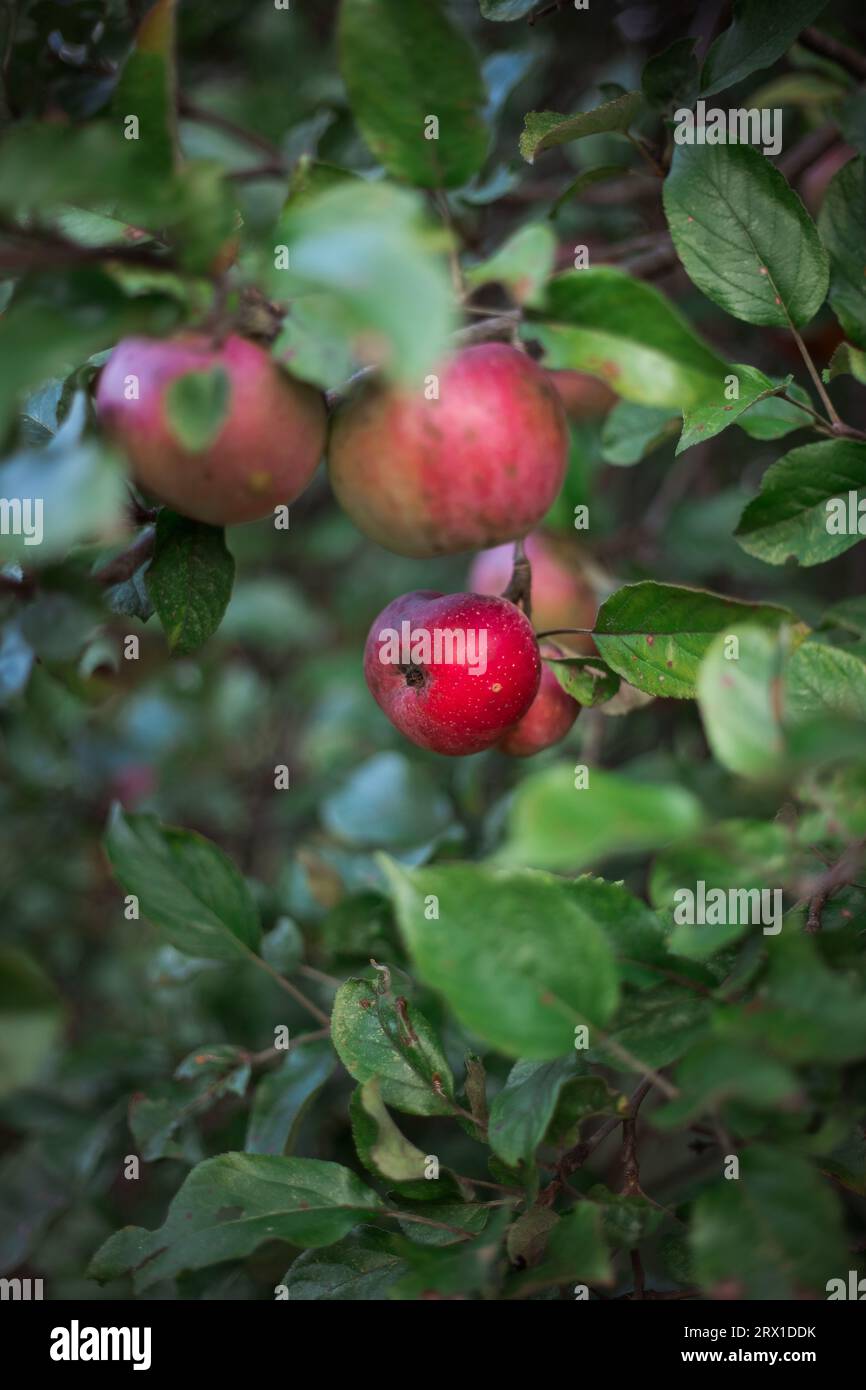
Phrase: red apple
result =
(265, 453)
(452, 672)
(481, 464)
(584, 396)
(562, 597)
(547, 721)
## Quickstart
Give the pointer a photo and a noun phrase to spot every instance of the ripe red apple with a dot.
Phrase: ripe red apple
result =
(452, 672)
(547, 721)
(584, 396)
(479, 465)
(562, 596)
(265, 453)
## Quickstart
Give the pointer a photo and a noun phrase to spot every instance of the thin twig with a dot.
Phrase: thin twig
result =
(815, 375)
(848, 58)
(313, 1009)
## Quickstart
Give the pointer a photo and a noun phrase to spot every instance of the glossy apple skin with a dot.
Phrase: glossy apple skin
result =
(547, 721)
(561, 595)
(480, 465)
(584, 396)
(444, 707)
(265, 454)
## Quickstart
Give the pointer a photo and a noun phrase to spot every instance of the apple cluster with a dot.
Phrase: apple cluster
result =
(471, 470)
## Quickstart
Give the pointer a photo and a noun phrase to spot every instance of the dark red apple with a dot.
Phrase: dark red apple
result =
(547, 721)
(265, 453)
(452, 672)
(479, 465)
(584, 396)
(562, 596)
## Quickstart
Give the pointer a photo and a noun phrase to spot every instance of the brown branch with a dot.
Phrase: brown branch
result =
(848, 58)
(32, 248)
(576, 1157)
(249, 137)
(519, 590)
(124, 566)
(808, 150)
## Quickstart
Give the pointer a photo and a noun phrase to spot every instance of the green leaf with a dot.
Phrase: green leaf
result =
(544, 130)
(184, 885)
(230, 1205)
(365, 250)
(503, 10)
(189, 580)
(630, 432)
(656, 635)
(712, 416)
(387, 802)
(842, 223)
(789, 518)
(656, 1028)
(402, 61)
(587, 679)
(283, 946)
(774, 1233)
(627, 1218)
(30, 1019)
(523, 263)
(197, 406)
(357, 1269)
(757, 36)
(743, 235)
(633, 930)
(283, 1097)
(383, 1150)
(554, 825)
(847, 361)
(395, 1043)
(580, 1098)
(672, 77)
(600, 174)
(621, 330)
(804, 1012)
(518, 959)
(521, 1113)
(57, 321)
(715, 1072)
(65, 492)
(201, 1080)
(739, 854)
(771, 417)
(148, 89)
(464, 1268)
(576, 1252)
(822, 679)
(740, 699)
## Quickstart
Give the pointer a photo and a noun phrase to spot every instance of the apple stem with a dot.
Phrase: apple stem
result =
(556, 631)
(519, 589)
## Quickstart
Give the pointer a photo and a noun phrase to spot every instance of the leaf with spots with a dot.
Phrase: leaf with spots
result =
(656, 635)
(743, 235)
(378, 1036)
(189, 581)
(229, 1206)
(712, 416)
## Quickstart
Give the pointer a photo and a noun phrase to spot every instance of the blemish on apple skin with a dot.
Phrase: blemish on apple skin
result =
(496, 687)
